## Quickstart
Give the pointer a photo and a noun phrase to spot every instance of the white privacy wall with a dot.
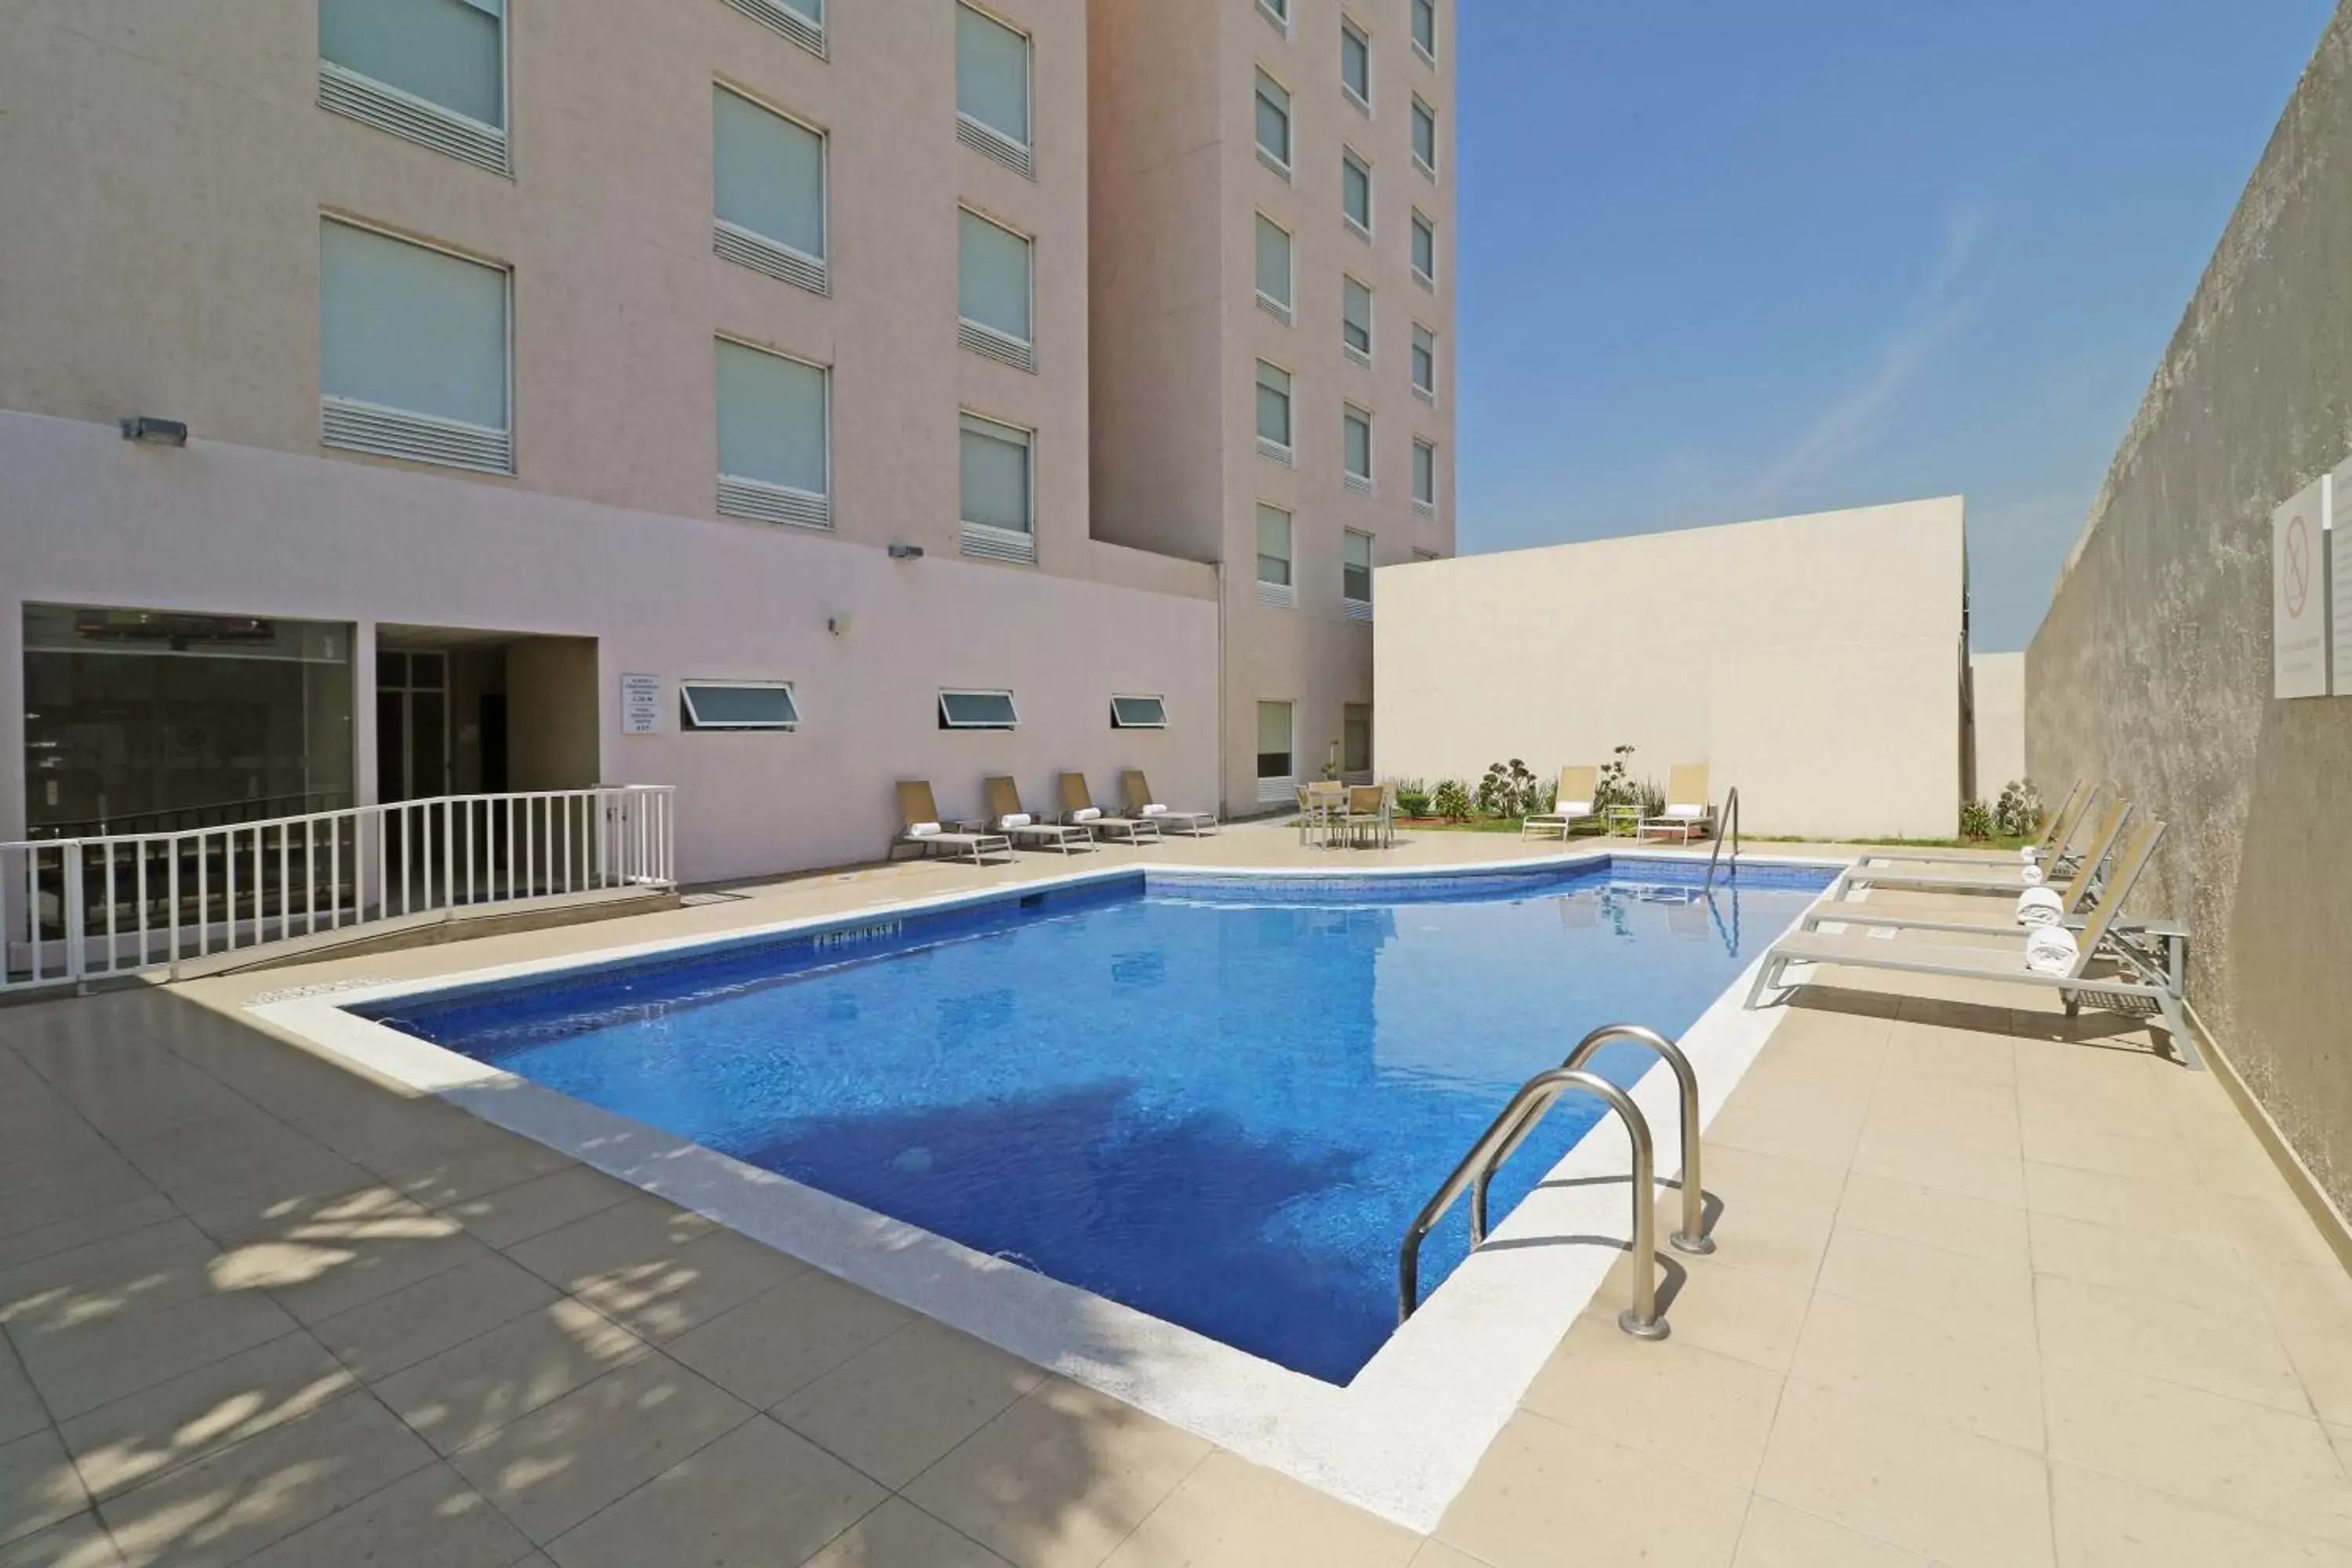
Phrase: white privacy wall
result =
(1815, 662)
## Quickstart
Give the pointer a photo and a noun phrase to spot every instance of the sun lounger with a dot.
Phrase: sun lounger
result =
(1997, 877)
(2081, 887)
(1571, 805)
(1690, 810)
(1135, 793)
(1078, 810)
(1005, 817)
(2134, 981)
(922, 825)
(2056, 834)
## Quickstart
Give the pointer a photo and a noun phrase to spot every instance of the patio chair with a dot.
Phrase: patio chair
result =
(2136, 980)
(2056, 834)
(1571, 805)
(1080, 810)
(1366, 814)
(1997, 878)
(1005, 817)
(1690, 810)
(920, 825)
(1321, 803)
(1134, 792)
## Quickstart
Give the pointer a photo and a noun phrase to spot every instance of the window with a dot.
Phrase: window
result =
(1424, 477)
(978, 710)
(1356, 567)
(412, 352)
(998, 519)
(432, 71)
(1356, 192)
(993, 91)
(1273, 747)
(1276, 12)
(1425, 249)
(1425, 136)
(774, 444)
(1273, 125)
(1274, 411)
(1355, 445)
(801, 21)
(1273, 584)
(993, 291)
(1355, 320)
(1355, 740)
(1274, 268)
(737, 705)
(1139, 713)
(1424, 28)
(1355, 63)
(767, 191)
(1424, 363)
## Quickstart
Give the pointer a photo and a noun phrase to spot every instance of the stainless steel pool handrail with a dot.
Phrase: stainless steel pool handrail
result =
(1535, 1097)
(1691, 1236)
(1731, 821)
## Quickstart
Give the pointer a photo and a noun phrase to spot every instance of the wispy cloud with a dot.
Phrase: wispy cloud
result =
(1934, 313)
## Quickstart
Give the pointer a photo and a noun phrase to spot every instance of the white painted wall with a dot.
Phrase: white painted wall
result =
(1999, 681)
(1812, 661)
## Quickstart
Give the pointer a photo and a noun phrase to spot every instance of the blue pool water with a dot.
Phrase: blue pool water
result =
(1218, 1102)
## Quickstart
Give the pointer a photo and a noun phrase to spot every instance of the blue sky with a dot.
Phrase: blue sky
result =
(1724, 261)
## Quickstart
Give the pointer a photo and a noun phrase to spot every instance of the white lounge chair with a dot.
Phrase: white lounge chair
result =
(1005, 817)
(1995, 877)
(1078, 810)
(1135, 794)
(2056, 834)
(920, 825)
(1690, 810)
(1571, 805)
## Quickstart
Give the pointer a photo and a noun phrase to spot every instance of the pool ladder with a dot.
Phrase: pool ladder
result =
(1508, 1131)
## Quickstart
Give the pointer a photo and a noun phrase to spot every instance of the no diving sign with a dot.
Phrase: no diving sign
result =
(2299, 595)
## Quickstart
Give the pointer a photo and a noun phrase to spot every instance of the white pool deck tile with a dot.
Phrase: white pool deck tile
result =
(1993, 1287)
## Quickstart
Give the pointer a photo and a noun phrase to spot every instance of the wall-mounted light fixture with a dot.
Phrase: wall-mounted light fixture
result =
(906, 553)
(156, 432)
(838, 625)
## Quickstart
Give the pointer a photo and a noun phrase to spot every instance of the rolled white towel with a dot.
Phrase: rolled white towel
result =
(2051, 949)
(1014, 819)
(2028, 855)
(1576, 808)
(1086, 813)
(2040, 907)
(1155, 809)
(2029, 874)
(921, 830)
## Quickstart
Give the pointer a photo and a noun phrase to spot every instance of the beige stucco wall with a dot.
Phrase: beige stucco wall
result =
(1814, 662)
(1999, 684)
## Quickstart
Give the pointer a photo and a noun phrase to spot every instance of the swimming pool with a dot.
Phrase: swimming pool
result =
(1216, 1101)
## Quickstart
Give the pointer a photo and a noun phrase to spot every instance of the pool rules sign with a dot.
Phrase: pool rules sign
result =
(2299, 595)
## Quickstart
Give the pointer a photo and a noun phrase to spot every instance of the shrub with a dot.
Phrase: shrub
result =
(1451, 799)
(1505, 789)
(1412, 802)
(1650, 798)
(1975, 820)
(2019, 812)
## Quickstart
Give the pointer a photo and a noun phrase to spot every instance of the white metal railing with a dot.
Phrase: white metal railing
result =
(73, 910)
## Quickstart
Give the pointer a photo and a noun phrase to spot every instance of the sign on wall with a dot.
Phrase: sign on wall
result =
(641, 699)
(2299, 595)
(2339, 575)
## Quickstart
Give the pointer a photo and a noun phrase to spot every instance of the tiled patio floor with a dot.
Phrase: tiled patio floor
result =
(1993, 1288)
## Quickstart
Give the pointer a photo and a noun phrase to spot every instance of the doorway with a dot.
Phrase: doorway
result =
(411, 725)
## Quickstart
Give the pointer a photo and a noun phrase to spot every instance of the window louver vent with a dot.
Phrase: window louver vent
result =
(1271, 792)
(1000, 543)
(1426, 395)
(1356, 609)
(1275, 451)
(1425, 280)
(1276, 164)
(1358, 483)
(1281, 595)
(1274, 307)
(1001, 347)
(990, 144)
(783, 19)
(371, 102)
(1426, 508)
(420, 437)
(734, 243)
(1356, 355)
(764, 502)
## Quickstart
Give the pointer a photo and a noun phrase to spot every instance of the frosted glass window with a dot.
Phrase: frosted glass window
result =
(772, 418)
(408, 326)
(1272, 403)
(1273, 545)
(978, 710)
(1139, 713)
(1356, 567)
(1356, 433)
(992, 286)
(1273, 120)
(1424, 26)
(1355, 61)
(1274, 741)
(1425, 473)
(1273, 261)
(448, 52)
(1424, 134)
(992, 74)
(769, 173)
(1356, 315)
(1425, 359)
(1356, 190)
(995, 474)
(1424, 247)
(738, 705)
